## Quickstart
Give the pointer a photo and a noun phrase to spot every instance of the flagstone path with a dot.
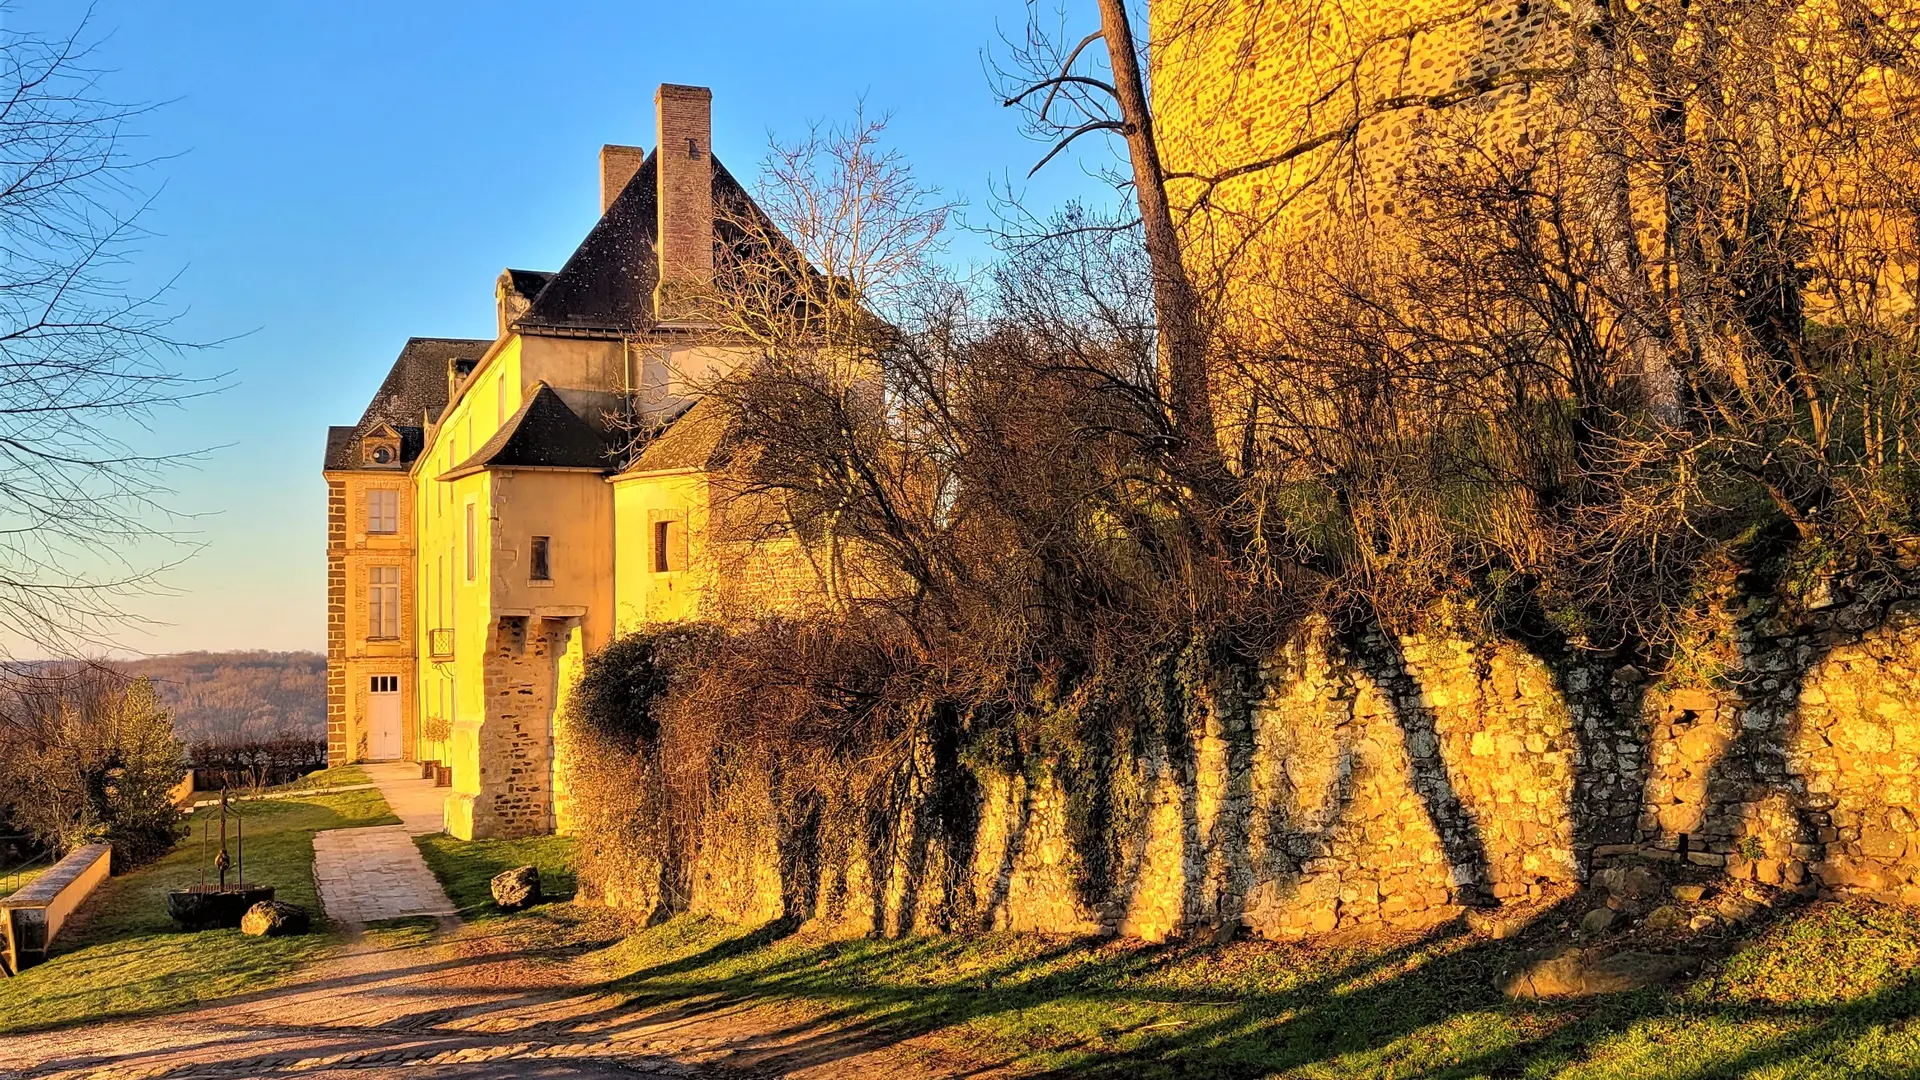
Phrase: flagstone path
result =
(368, 874)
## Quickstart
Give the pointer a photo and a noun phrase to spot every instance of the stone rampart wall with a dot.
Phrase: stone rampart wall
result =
(1373, 780)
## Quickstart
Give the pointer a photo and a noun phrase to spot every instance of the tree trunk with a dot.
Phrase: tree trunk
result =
(1176, 306)
(1609, 197)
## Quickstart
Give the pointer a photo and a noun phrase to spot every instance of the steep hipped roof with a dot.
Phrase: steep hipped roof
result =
(695, 439)
(415, 387)
(543, 434)
(607, 284)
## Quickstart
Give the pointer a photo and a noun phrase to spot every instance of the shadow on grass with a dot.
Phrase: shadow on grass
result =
(1428, 1006)
(466, 868)
(122, 956)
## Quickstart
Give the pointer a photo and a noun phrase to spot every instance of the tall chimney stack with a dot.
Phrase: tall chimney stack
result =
(684, 159)
(617, 166)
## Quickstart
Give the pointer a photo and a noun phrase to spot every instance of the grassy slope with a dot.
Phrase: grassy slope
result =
(466, 868)
(554, 928)
(1825, 992)
(338, 776)
(124, 956)
(12, 882)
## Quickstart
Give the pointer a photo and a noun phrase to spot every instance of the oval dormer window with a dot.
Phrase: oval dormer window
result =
(382, 455)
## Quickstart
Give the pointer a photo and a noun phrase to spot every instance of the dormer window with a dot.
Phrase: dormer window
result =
(381, 447)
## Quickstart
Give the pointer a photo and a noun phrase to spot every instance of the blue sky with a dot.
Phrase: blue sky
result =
(348, 174)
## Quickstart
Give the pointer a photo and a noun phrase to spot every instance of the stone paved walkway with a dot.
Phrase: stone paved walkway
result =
(365, 875)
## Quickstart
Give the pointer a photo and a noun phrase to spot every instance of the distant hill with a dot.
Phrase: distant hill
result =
(228, 697)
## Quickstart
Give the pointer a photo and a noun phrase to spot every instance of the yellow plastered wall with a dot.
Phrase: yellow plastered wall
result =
(643, 595)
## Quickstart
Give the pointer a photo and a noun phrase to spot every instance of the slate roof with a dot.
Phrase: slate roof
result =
(607, 283)
(415, 387)
(543, 434)
(696, 438)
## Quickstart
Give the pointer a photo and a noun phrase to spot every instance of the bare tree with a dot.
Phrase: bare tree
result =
(83, 358)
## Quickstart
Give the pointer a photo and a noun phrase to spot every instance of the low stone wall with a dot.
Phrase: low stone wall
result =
(1370, 779)
(31, 917)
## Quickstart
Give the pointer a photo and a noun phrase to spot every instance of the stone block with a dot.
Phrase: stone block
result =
(270, 918)
(1569, 973)
(517, 888)
(1880, 842)
(1694, 700)
(1666, 917)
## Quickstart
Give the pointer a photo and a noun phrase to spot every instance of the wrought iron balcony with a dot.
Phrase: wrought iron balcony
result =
(440, 644)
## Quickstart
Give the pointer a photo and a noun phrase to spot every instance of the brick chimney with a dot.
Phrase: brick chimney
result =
(684, 159)
(617, 166)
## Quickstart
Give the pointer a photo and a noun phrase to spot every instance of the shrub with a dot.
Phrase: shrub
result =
(94, 759)
(255, 763)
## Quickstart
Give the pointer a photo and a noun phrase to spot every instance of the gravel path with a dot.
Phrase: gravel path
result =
(461, 1008)
(456, 1006)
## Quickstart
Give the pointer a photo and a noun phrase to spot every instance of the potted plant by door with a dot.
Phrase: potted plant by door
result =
(433, 732)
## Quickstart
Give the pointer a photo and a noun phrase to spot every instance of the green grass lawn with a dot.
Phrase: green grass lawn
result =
(123, 956)
(1827, 991)
(466, 868)
(555, 929)
(338, 776)
(12, 881)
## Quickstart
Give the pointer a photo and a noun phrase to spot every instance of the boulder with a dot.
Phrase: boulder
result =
(1629, 882)
(1597, 922)
(270, 918)
(1563, 973)
(517, 888)
(1666, 917)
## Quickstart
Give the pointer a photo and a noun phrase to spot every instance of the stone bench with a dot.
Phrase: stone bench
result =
(32, 916)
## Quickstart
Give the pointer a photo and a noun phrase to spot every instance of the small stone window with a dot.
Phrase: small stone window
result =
(538, 566)
(669, 546)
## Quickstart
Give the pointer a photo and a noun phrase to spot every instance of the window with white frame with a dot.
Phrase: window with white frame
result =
(383, 602)
(383, 510)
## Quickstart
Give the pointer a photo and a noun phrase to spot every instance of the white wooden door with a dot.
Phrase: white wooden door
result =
(383, 718)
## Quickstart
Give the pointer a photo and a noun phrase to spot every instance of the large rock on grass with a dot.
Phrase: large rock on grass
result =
(517, 888)
(270, 918)
(1572, 973)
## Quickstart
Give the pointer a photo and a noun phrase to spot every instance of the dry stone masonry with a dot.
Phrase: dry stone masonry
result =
(1370, 780)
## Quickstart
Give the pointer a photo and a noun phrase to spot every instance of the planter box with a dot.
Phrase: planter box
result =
(443, 776)
(428, 769)
(30, 917)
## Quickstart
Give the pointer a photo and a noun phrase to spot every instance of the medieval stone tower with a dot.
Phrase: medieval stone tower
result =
(1273, 118)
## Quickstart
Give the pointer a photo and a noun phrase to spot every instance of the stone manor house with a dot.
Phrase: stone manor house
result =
(505, 506)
